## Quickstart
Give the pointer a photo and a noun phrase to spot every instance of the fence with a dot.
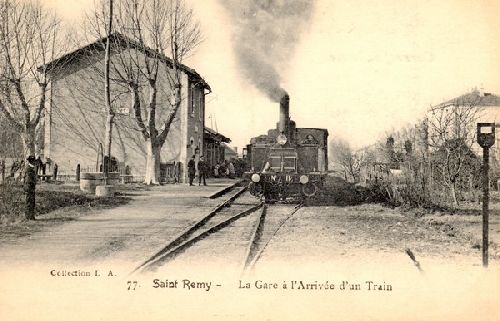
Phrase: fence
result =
(170, 172)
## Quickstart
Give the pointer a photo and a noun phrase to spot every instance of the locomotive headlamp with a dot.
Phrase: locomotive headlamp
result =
(281, 139)
(255, 178)
(304, 179)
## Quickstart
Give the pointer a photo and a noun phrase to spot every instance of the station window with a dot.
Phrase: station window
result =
(289, 162)
(275, 163)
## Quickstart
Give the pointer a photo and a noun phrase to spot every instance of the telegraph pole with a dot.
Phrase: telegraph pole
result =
(486, 139)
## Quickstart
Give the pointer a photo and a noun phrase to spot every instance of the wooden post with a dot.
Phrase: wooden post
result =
(486, 139)
(486, 200)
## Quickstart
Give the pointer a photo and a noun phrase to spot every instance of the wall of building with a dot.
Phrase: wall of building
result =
(195, 121)
(76, 117)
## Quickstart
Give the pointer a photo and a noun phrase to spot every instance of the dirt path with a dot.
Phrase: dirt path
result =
(333, 233)
(130, 232)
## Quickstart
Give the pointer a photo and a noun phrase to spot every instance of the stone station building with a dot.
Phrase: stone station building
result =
(74, 120)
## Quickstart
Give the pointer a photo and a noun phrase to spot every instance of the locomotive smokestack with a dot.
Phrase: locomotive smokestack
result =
(284, 114)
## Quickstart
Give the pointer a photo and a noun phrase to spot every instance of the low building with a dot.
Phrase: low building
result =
(214, 147)
(74, 120)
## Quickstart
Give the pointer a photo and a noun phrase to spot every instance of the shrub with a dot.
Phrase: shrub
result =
(11, 201)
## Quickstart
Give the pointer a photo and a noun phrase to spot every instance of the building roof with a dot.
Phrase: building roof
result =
(119, 40)
(215, 135)
(229, 150)
(474, 98)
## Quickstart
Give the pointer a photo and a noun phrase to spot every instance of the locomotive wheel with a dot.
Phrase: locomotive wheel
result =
(309, 189)
(256, 189)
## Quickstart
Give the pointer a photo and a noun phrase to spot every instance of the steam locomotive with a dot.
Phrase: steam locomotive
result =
(288, 162)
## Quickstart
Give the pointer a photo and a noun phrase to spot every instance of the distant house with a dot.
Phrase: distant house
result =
(488, 105)
(75, 115)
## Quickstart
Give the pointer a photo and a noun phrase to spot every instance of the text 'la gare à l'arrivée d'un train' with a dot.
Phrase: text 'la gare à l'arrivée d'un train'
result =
(285, 285)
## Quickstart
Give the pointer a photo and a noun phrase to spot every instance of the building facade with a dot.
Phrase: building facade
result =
(486, 108)
(480, 107)
(75, 114)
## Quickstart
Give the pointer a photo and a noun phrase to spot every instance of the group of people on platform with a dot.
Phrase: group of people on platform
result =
(223, 169)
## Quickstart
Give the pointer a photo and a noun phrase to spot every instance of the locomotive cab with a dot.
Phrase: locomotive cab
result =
(282, 160)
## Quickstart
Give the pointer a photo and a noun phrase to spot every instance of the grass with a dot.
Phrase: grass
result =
(49, 198)
(337, 192)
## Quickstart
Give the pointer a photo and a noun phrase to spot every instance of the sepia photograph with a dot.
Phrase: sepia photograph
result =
(249, 160)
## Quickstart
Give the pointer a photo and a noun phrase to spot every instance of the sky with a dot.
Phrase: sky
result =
(361, 68)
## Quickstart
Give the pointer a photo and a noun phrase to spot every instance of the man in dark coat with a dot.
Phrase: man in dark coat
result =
(202, 169)
(191, 170)
(29, 187)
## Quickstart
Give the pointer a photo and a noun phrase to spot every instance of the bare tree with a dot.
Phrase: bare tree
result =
(451, 134)
(29, 39)
(154, 29)
(10, 140)
(349, 161)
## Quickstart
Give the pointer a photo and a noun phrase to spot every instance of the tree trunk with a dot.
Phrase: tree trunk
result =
(453, 193)
(110, 114)
(29, 172)
(152, 175)
(107, 145)
(28, 141)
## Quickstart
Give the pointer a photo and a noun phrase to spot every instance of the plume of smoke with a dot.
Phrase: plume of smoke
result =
(266, 33)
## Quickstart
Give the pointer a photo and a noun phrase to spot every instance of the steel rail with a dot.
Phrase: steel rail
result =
(191, 241)
(256, 235)
(181, 237)
(250, 263)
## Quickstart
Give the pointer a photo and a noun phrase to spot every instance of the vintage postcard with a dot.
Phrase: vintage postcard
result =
(249, 160)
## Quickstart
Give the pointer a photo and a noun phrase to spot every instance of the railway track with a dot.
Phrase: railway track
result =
(262, 236)
(220, 229)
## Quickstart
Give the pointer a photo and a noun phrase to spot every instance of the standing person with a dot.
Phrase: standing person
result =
(226, 165)
(38, 165)
(216, 170)
(55, 171)
(29, 187)
(202, 168)
(222, 169)
(191, 170)
(232, 171)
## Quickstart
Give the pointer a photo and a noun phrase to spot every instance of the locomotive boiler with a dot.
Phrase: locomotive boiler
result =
(288, 162)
